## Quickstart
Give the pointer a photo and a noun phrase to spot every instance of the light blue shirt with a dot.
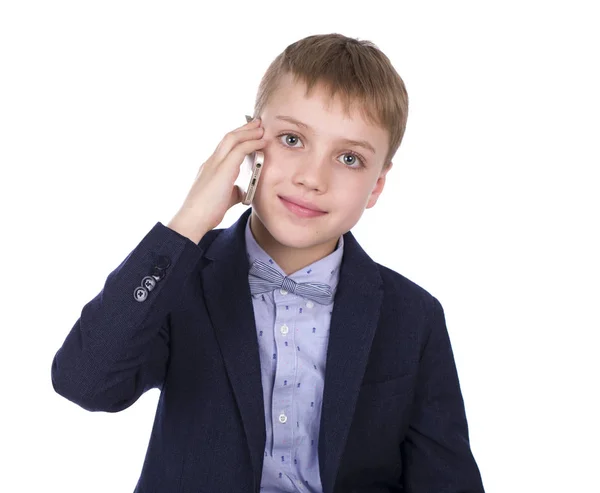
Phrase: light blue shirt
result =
(293, 333)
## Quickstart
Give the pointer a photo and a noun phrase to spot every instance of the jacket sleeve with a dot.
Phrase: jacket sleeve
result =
(436, 451)
(119, 347)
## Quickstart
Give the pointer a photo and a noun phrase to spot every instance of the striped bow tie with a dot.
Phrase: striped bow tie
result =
(266, 278)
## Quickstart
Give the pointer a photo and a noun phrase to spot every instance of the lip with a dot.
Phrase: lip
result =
(302, 209)
(302, 203)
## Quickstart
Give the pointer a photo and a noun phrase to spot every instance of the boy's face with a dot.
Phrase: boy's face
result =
(313, 164)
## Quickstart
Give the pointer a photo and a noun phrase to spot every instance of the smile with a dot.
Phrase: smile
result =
(301, 211)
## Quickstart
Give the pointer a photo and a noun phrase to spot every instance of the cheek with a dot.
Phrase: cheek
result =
(270, 147)
(270, 176)
(273, 166)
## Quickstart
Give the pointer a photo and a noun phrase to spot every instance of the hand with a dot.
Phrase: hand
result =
(214, 191)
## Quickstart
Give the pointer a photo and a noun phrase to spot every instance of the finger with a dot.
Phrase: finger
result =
(242, 149)
(239, 152)
(244, 129)
(233, 139)
(251, 124)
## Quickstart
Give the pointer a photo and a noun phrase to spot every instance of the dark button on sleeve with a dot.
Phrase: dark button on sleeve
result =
(157, 273)
(163, 262)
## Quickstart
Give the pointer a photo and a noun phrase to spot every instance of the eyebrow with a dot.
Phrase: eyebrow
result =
(361, 143)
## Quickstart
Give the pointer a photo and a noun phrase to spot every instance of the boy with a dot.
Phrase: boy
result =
(287, 359)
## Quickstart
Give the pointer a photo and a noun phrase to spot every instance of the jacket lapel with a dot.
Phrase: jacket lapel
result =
(353, 322)
(354, 319)
(229, 305)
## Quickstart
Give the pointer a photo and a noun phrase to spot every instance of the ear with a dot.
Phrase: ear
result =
(378, 188)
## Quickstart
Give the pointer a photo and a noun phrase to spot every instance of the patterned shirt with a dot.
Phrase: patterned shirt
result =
(293, 333)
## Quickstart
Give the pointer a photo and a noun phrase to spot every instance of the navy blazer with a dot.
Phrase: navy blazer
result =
(393, 417)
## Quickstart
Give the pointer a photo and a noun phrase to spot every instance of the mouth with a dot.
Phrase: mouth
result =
(300, 210)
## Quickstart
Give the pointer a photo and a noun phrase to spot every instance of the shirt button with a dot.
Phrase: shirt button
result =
(283, 291)
(284, 329)
(282, 418)
(310, 304)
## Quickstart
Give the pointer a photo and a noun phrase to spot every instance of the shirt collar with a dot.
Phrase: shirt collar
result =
(323, 270)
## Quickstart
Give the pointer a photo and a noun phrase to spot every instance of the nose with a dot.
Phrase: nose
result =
(312, 171)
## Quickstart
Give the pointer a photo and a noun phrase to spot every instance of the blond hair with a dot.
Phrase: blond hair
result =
(356, 70)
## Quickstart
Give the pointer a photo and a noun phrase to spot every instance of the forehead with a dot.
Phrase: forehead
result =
(326, 117)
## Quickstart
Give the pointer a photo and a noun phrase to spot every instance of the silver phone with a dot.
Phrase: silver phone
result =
(253, 163)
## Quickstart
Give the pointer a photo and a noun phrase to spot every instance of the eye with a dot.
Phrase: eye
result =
(294, 139)
(355, 157)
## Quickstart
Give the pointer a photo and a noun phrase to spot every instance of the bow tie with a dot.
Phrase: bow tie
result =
(266, 278)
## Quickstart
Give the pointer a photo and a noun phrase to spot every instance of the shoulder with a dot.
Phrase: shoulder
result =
(401, 291)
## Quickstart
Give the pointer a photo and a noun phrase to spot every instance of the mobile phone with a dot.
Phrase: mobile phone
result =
(254, 163)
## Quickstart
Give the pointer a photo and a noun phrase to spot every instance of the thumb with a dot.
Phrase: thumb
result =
(237, 195)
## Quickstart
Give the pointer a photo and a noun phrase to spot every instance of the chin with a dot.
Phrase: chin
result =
(289, 235)
(287, 232)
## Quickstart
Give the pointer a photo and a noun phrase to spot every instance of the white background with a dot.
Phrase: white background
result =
(108, 109)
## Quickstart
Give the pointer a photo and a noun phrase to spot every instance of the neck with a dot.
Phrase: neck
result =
(288, 258)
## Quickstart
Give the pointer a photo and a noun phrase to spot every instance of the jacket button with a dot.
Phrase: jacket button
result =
(157, 274)
(163, 262)
(149, 283)
(140, 294)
